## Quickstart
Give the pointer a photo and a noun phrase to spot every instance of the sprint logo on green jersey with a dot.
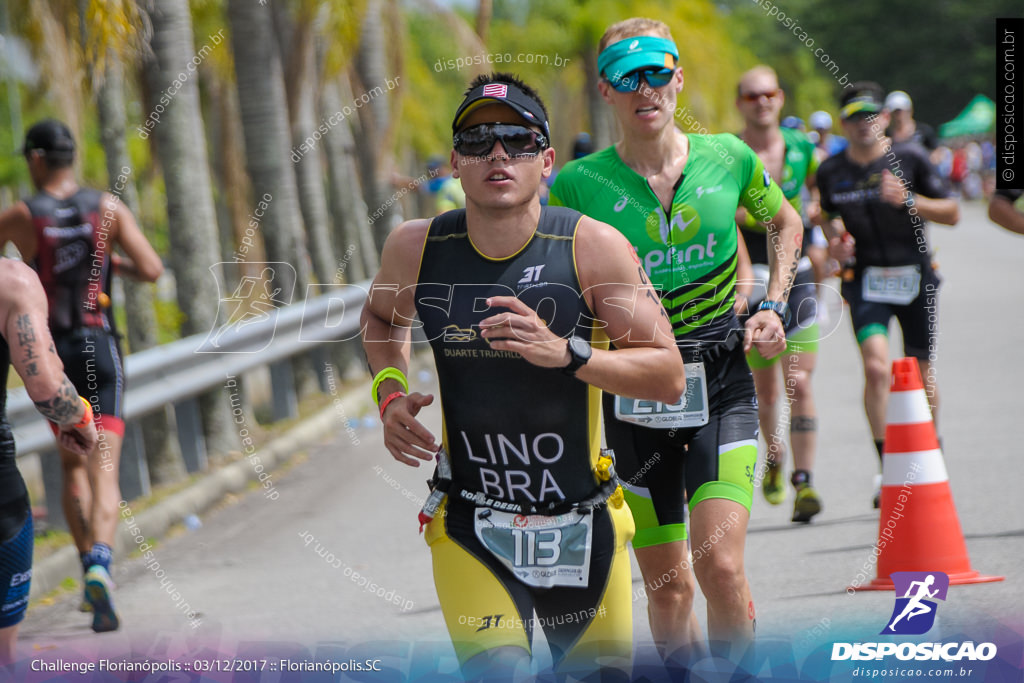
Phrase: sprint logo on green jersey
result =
(681, 230)
(689, 251)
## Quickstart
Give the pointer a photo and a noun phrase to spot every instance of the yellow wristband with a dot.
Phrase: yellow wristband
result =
(388, 373)
(87, 417)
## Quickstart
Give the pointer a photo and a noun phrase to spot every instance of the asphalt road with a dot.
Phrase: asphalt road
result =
(298, 577)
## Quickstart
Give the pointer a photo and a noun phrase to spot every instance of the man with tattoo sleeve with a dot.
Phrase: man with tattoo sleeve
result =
(27, 345)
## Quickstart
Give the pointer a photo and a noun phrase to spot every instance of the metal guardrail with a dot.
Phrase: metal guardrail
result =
(178, 373)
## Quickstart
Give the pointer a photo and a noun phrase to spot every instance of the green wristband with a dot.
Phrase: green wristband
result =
(388, 373)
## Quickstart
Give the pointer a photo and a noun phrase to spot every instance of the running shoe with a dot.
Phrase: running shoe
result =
(99, 589)
(773, 486)
(876, 502)
(807, 503)
(84, 606)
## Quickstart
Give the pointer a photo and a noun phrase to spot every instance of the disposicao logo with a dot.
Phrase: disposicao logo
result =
(914, 615)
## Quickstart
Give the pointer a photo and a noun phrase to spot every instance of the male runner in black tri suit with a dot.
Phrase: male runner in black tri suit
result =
(884, 192)
(67, 234)
(27, 344)
(519, 303)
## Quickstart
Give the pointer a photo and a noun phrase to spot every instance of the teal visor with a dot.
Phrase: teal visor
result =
(640, 52)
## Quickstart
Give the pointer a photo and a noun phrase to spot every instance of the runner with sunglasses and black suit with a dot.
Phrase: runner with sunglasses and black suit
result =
(877, 197)
(526, 522)
(674, 196)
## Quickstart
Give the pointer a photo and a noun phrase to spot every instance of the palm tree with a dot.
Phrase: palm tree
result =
(296, 32)
(259, 77)
(162, 454)
(337, 40)
(484, 12)
(261, 98)
(352, 228)
(371, 71)
(192, 223)
(61, 70)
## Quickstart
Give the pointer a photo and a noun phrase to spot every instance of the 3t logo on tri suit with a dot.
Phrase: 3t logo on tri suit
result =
(488, 621)
(531, 274)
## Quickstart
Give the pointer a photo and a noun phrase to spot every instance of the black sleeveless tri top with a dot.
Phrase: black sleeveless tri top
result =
(73, 259)
(515, 432)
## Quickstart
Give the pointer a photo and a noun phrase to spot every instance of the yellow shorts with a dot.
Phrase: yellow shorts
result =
(485, 606)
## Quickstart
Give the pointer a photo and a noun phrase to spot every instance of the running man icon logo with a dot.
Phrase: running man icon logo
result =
(914, 613)
(256, 298)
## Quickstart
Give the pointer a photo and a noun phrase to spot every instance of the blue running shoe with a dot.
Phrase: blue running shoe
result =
(99, 589)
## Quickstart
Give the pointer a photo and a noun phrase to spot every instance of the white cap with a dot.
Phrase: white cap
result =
(820, 120)
(898, 99)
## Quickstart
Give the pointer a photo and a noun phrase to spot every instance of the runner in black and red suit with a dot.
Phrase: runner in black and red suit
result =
(67, 234)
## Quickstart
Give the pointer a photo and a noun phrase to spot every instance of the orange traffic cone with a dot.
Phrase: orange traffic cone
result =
(918, 529)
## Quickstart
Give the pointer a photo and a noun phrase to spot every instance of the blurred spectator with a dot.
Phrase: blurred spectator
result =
(821, 134)
(972, 185)
(794, 122)
(904, 128)
(988, 167)
(435, 191)
(958, 169)
(450, 195)
(581, 147)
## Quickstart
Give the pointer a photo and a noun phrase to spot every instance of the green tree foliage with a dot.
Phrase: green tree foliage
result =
(942, 52)
(547, 43)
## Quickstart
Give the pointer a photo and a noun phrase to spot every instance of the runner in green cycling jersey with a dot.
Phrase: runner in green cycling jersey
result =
(674, 196)
(789, 157)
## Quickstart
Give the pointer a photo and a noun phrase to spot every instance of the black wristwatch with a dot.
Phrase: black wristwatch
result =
(780, 308)
(579, 353)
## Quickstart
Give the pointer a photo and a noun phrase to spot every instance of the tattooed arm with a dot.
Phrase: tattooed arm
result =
(785, 246)
(65, 407)
(34, 357)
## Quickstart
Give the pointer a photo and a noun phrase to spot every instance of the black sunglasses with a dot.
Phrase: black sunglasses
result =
(516, 140)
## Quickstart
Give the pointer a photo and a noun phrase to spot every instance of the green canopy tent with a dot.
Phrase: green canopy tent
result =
(977, 118)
